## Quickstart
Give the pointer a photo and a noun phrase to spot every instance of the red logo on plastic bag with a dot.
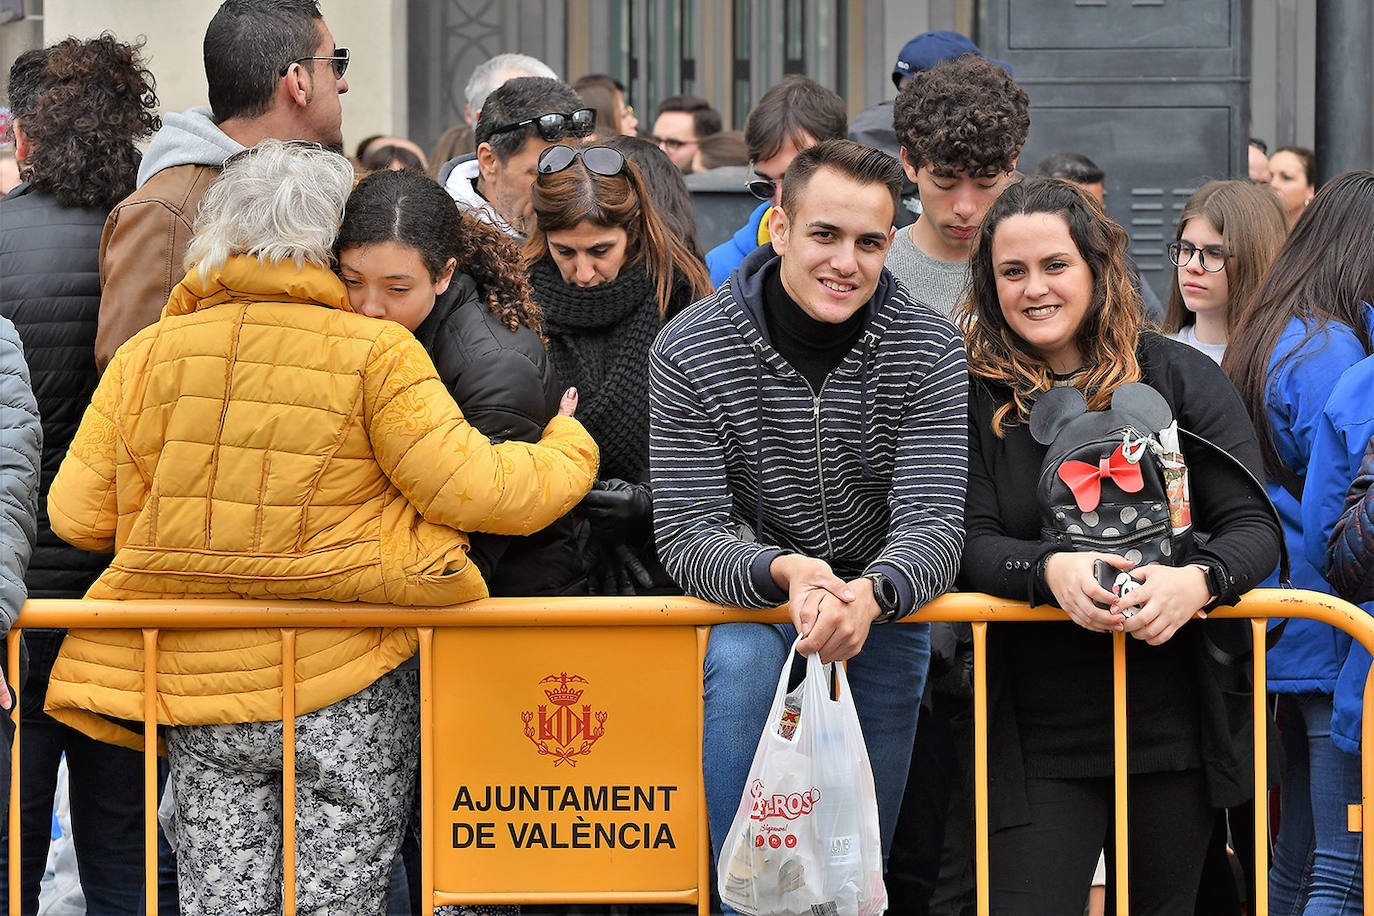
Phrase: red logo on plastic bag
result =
(564, 734)
(790, 806)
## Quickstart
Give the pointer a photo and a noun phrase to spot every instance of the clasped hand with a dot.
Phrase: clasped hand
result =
(1168, 597)
(831, 615)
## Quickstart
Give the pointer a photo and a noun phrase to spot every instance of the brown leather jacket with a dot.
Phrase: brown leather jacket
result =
(141, 250)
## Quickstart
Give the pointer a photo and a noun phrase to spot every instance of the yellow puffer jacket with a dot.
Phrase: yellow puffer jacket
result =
(262, 441)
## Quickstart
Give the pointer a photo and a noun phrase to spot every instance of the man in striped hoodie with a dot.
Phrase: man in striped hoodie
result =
(808, 428)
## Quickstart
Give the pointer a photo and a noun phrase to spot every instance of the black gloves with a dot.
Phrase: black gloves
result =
(619, 511)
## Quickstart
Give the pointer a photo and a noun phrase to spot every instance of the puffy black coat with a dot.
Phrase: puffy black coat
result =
(50, 289)
(1350, 552)
(507, 389)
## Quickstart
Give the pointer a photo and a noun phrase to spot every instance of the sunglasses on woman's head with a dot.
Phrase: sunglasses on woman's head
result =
(599, 160)
(556, 125)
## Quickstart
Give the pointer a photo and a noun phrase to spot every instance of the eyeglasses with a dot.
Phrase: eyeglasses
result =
(555, 126)
(339, 62)
(760, 187)
(1211, 258)
(671, 144)
(599, 160)
(289, 144)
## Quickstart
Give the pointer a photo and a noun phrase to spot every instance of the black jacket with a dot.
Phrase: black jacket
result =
(1050, 684)
(50, 289)
(507, 389)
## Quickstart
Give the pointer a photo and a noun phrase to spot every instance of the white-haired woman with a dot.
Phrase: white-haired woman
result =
(263, 441)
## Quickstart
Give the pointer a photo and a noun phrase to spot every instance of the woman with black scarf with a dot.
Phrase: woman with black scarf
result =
(605, 271)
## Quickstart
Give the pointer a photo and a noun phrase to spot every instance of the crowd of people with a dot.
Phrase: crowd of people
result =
(267, 370)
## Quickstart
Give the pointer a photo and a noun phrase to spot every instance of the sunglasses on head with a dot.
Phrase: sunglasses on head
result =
(599, 160)
(339, 61)
(556, 125)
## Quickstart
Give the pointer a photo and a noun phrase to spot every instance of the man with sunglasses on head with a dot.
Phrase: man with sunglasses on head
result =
(274, 72)
(519, 120)
(791, 116)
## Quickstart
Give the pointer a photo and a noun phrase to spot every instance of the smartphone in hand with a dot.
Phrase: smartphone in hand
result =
(1117, 581)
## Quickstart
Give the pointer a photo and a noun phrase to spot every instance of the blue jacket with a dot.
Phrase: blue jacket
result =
(1302, 374)
(1338, 448)
(869, 475)
(728, 255)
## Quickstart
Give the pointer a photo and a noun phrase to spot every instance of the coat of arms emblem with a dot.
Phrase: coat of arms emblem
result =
(565, 733)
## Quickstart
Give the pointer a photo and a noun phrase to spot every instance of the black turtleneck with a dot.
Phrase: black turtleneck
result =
(812, 347)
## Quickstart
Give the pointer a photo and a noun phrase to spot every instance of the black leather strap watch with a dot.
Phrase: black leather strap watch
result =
(885, 594)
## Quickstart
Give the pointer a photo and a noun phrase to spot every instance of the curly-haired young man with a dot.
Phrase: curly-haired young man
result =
(961, 126)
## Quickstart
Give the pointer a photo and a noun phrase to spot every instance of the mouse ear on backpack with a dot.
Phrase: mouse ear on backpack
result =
(1053, 410)
(1144, 404)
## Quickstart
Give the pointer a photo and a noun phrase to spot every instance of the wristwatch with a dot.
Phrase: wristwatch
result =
(885, 594)
(1215, 578)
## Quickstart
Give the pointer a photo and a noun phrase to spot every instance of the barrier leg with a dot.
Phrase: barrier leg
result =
(703, 824)
(150, 770)
(288, 771)
(1258, 631)
(1366, 780)
(980, 767)
(1120, 766)
(12, 654)
(427, 835)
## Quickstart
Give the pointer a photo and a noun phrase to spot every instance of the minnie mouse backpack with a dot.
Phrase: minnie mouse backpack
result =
(1104, 484)
(1115, 480)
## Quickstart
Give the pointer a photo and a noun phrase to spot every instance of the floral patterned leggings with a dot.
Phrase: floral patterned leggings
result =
(355, 773)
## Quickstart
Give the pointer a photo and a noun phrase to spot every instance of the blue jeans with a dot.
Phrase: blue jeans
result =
(1316, 870)
(741, 673)
(106, 792)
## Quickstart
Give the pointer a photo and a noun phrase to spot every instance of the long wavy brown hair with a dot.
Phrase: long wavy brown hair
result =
(566, 199)
(1250, 221)
(1323, 275)
(1107, 338)
(407, 207)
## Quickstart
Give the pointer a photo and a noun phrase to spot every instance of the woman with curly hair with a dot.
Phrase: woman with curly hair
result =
(81, 108)
(406, 254)
(605, 271)
(1051, 305)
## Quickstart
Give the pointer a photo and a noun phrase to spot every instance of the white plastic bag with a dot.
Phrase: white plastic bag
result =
(805, 838)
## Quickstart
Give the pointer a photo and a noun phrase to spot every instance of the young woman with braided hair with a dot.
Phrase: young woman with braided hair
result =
(408, 255)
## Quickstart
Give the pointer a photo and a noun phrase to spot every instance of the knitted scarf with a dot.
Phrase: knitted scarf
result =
(599, 339)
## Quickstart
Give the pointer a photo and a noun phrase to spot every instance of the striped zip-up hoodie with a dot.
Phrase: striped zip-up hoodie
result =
(868, 474)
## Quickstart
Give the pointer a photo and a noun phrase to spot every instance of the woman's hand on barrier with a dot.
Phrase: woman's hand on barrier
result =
(568, 405)
(1169, 598)
(1070, 577)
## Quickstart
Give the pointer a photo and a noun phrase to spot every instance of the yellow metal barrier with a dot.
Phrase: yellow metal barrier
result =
(605, 633)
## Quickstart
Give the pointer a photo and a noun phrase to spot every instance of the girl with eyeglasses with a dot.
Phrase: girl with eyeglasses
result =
(1227, 236)
(1310, 322)
(605, 271)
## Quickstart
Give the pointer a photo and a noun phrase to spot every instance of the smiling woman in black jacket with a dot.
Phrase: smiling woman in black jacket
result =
(1051, 305)
(407, 255)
